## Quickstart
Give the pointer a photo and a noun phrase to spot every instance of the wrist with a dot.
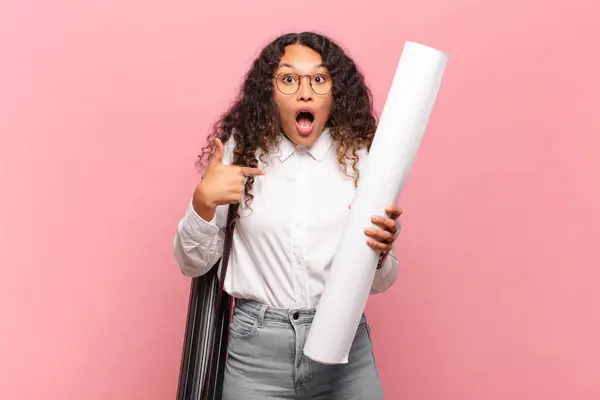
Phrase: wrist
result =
(203, 206)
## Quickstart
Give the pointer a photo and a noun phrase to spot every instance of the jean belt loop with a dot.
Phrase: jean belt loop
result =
(261, 315)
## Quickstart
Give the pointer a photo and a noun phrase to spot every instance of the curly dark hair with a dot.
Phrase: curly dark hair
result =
(253, 119)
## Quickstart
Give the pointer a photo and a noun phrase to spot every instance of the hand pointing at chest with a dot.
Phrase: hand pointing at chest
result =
(222, 184)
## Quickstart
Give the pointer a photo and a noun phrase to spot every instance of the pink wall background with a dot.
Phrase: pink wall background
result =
(104, 104)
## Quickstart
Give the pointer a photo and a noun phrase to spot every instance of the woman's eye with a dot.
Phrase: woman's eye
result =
(320, 79)
(288, 79)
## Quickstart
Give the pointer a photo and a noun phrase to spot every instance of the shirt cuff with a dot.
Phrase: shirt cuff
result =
(196, 228)
(386, 275)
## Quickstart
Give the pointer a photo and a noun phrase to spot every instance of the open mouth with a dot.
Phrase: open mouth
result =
(305, 120)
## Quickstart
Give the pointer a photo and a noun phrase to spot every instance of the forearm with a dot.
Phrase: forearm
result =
(197, 245)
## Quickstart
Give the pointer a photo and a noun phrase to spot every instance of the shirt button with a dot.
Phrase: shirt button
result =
(296, 315)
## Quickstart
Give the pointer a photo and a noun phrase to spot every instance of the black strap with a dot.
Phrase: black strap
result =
(229, 227)
(231, 214)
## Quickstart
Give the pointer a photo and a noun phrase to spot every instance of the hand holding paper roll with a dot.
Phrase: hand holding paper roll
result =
(382, 237)
(403, 122)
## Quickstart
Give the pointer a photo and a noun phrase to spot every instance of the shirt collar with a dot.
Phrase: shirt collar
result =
(317, 150)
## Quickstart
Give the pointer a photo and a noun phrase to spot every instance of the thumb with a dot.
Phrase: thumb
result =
(217, 156)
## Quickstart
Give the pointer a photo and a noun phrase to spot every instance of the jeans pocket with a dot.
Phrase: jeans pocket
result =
(242, 325)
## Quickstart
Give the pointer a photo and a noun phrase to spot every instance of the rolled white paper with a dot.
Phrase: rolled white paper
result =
(402, 124)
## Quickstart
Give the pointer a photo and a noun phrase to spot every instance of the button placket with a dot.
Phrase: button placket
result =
(294, 165)
(297, 228)
(304, 186)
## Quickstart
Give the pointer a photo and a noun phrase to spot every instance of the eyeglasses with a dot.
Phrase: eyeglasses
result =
(289, 83)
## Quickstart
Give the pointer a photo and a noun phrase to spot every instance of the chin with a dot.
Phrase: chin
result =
(305, 139)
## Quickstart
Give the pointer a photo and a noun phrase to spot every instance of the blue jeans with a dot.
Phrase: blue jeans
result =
(265, 359)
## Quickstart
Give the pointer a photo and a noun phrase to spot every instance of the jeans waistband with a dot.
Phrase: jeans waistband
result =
(263, 312)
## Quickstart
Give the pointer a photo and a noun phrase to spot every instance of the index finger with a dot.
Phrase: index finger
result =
(247, 171)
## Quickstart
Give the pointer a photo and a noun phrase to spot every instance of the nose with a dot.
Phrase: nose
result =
(305, 92)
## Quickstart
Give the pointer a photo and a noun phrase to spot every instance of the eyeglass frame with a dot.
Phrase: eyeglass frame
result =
(300, 76)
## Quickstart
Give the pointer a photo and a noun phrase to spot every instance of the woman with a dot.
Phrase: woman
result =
(289, 150)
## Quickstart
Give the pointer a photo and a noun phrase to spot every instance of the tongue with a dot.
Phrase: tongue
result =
(304, 122)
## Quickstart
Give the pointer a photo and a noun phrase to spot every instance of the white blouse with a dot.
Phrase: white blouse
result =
(284, 243)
